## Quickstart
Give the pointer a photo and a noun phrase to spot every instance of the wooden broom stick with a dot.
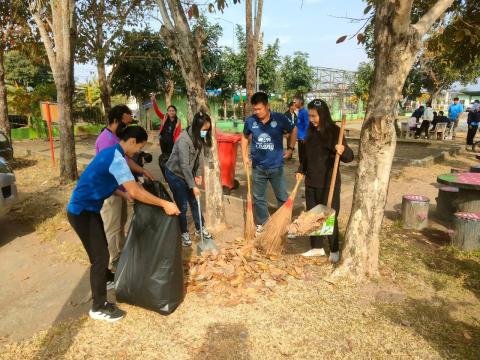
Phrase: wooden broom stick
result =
(337, 162)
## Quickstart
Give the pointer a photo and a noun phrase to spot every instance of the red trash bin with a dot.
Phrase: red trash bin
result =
(227, 155)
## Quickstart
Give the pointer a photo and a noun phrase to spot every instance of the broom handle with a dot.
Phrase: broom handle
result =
(295, 189)
(337, 162)
(248, 181)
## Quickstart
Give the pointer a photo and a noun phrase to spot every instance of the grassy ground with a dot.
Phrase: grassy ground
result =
(425, 305)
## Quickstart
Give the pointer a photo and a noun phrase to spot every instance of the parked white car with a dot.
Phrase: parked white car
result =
(8, 187)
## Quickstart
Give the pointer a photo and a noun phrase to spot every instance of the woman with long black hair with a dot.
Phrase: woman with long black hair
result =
(183, 171)
(170, 129)
(321, 146)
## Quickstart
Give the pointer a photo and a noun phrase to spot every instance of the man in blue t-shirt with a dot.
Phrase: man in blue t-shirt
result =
(454, 111)
(102, 177)
(263, 135)
(302, 125)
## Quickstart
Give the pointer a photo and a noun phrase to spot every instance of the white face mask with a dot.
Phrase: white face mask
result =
(203, 133)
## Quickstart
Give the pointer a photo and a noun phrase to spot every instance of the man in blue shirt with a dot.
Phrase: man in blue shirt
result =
(102, 177)
(263, 135)
(454, 110)
(302, 125)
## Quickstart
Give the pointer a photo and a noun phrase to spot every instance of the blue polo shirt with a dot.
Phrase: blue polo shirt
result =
(105, 173)
(266, 148)
(302, 123)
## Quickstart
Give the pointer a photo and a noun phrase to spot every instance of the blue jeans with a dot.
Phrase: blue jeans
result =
(260, 177)
(183, 196)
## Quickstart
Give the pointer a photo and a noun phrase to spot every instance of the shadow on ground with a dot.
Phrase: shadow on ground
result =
(25, 216)
(431, 319)
(58, 339)
(225, 341)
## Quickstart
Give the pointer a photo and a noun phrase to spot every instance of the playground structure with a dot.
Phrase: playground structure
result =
(335, 86)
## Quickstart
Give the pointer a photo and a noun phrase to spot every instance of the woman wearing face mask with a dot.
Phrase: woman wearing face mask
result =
(170, 129)
(183, 171)
(321, 146)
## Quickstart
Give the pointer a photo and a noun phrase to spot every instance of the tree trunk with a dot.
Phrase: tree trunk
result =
(68, 161)
(251, 56)
(396, 45)
(4, 123)
(104, 86)
(186, 49)
(169, 89)
(252, 32)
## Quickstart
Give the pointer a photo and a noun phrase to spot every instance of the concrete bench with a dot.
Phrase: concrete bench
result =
(467, 231)
(415, 211)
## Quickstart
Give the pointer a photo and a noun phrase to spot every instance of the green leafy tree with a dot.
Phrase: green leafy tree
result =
(297, 73)
(101, 26)
(25, 70)
(143, 66)
(363, 80)
(269, 62)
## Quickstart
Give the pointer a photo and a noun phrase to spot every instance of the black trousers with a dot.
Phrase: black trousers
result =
(472, 131)
(301, 150)
(89, 228)
(315, 197)
(423, 128)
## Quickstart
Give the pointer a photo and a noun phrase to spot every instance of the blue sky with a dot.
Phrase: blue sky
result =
(312, 28)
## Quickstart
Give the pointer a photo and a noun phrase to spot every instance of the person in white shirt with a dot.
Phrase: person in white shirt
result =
(427, 119)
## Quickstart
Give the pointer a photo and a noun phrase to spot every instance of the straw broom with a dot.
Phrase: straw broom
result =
(249, 223)
(273, 236)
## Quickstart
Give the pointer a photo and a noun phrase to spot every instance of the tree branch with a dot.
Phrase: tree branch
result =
(164, 12)
(427, 20)
(47, 41)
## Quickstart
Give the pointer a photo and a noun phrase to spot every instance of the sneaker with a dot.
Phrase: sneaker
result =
(334, 257)
(109, 312)
(186, 239)
(314, 252)
(206, 234)
(259, 230)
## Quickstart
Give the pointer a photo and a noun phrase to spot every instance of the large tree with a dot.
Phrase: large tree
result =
(55, 21)
(297, 73)
(186, 47)
(13, 27)
(397, 41)
(143, 66)
(101, 25)
(253, 26)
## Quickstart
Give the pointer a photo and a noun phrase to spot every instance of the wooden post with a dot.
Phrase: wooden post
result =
(446, 202)
(415, 212)
(467, 231)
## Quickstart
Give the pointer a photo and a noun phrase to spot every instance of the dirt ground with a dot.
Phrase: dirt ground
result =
(425, 304)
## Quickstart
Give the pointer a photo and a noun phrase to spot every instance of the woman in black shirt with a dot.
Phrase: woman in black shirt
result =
(321, 147)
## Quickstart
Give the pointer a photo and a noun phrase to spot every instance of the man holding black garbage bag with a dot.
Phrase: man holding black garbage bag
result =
(102, 178)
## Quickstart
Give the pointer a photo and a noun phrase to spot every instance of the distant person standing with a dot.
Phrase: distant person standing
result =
(454, 111)
(472, 121)
(302, 125)
(292, 118)
(170, 129)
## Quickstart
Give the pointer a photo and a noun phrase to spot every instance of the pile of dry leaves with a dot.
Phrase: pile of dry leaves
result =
(238, 275)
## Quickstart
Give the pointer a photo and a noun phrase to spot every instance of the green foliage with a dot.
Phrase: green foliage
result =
(269, 62)
(142, 65)
(24, 102)
(363, 79)
(22, 70)
(297, 73)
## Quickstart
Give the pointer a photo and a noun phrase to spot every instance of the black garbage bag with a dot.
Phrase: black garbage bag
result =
(150, 271)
